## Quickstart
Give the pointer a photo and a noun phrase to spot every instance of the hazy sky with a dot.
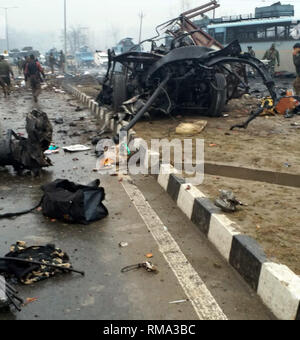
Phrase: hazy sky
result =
(104, 16)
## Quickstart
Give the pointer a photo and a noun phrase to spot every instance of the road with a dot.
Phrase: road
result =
(141, 214)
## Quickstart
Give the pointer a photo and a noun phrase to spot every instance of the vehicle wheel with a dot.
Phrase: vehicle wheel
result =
(218, 96)
(119, 91)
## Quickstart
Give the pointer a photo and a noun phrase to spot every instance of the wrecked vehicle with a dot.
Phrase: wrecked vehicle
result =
(28, 153)
(180, 75)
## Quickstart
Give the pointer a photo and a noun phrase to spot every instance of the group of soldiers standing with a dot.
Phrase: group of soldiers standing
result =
(31, 69)
(273, 56)
(61, 62)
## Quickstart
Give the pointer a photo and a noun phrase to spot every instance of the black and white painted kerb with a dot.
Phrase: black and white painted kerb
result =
(276, 284)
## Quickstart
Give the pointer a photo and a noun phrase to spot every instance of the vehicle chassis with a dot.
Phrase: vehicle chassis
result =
(189, 77)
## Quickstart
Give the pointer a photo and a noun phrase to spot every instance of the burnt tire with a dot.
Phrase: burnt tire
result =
(218, 95)
(119, 91)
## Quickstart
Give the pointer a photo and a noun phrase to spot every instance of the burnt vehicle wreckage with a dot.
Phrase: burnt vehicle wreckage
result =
(28, 153)
(194, 72)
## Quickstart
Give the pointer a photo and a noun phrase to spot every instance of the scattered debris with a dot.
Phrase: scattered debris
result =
(33, 264)
(76, 148)
(9, 296)
(227, 201)
(28, 153)
(148, 266)
(191, 128)
(149, 256)
(53, 149)
(79, 109)
(59, 121)
(30, 300)
(123, 244)
(178, 301)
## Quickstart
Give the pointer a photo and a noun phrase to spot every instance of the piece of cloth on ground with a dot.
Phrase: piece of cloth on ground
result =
(27, 273)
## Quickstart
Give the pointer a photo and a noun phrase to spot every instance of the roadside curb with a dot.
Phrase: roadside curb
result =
(100, 112)
(276, 284)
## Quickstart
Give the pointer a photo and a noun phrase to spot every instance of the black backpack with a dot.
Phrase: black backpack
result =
(74, 203)
(32, 68)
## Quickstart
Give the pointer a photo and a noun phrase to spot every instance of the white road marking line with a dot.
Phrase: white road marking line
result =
(203, 302)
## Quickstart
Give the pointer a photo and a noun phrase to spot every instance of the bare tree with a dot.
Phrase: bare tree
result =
(77, 37)
(115, 32)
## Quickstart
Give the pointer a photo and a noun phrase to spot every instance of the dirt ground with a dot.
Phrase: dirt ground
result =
(271, 216)
(270, 143)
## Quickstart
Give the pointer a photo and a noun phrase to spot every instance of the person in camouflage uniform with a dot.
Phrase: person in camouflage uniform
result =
(296, 57)
(272, 55)
(5, 73)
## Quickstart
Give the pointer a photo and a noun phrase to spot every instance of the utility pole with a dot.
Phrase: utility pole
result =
(6, 25)
(65, 26)
(141, 16)
(65, 35)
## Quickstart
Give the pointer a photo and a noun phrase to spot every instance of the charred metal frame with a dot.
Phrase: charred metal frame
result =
(195, 72)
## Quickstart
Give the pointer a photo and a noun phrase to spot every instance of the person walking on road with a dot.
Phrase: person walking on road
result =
(296, 57)
(52, 62)
(5, 73)
(33, 72)
(62, 61)
(272, 55)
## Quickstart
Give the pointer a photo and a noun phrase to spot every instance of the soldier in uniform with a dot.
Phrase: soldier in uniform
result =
(296, 57)
(272, 55)
(5, 73)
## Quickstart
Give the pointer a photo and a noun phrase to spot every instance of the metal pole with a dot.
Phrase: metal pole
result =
(65, 24)
(6, 25)
(142, 16)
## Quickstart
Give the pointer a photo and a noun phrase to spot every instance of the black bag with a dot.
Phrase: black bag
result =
(74, 203)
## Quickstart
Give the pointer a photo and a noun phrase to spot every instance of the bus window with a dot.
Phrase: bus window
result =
(271, 32)
(211, 32)
(230, 36)
(261, 33)
(282, 32)
(220, 37)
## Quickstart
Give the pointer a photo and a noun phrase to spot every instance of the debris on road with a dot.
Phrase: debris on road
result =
(227, 201)
(9, 296)
(148, 266)
(33, 264)
(30, 300)
(177, 302)
(123, 244)
(76, 148)
(53, 149)
(28, 153)
(74, 203)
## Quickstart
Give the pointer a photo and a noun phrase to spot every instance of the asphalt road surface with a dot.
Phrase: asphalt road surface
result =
(140, 213)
